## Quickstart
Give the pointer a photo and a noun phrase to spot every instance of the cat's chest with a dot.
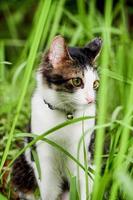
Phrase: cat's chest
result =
(43, 118)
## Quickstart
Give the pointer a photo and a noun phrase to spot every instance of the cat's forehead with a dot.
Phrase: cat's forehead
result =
(69, 71)
(77, 66)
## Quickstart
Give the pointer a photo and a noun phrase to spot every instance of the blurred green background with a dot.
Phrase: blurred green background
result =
(26, 30)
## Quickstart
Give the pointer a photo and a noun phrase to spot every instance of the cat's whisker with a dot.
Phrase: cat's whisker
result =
(61, 103)
(65, 103)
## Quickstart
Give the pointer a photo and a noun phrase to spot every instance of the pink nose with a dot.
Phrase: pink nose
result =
(89, 100)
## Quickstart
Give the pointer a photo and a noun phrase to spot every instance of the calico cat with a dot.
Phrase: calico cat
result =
(67, 81)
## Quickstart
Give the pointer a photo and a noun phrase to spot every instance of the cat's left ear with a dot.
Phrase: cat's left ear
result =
(58, 52)
(92, 49)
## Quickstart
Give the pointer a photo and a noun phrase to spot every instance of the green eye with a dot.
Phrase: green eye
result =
(76, 82)
(96, 84)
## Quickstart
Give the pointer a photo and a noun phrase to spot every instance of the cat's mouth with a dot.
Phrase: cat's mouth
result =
(85, 105)
(90, 100)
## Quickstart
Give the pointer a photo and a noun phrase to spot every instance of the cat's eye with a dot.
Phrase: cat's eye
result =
(96, 84)
(76, 82)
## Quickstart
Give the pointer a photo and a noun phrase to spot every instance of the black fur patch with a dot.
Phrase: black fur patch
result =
(91, 148)
(56, 79)
(65, 185)
(80, 56)
(23, 177)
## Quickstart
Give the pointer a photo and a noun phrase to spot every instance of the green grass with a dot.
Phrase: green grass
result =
(21, 43)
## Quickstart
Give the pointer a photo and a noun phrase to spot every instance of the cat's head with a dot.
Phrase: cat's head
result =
(67, 78)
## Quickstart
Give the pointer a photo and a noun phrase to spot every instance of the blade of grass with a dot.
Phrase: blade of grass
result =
(36, 159)
(30, 62)
(123, 140)
(2, 197)
(76, 36)
(125, 132)
(10, 21)
(57, 18)
(85, 161)
(73, 189)
(82, 11)
(102, 100)
(2, 58)
(23, 56)
(47, 27)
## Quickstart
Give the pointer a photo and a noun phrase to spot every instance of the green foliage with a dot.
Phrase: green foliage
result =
(2, 197)
(27, 29)
(73, 188)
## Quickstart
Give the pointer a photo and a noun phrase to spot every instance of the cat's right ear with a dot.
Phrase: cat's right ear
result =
(58, 52)
(93, 48)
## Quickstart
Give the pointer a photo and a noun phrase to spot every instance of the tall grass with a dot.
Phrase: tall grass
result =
(78, 23)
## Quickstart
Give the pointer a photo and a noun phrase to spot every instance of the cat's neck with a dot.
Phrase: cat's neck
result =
(43, 118)
(68, 112)
(66, 109)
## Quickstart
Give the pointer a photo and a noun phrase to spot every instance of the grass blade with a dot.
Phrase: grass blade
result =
(30, 62)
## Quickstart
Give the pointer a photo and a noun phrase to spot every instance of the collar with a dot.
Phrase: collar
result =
(69, 115)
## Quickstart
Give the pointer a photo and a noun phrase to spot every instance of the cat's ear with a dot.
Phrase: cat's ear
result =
(93, 48)
(58, 51)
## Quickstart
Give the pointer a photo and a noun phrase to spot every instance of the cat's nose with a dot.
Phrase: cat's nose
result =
(90, 100)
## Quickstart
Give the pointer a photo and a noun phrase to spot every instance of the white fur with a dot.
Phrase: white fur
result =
(29, 196)
(52, 162)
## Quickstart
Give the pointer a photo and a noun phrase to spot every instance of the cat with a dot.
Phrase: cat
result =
(67, 81)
